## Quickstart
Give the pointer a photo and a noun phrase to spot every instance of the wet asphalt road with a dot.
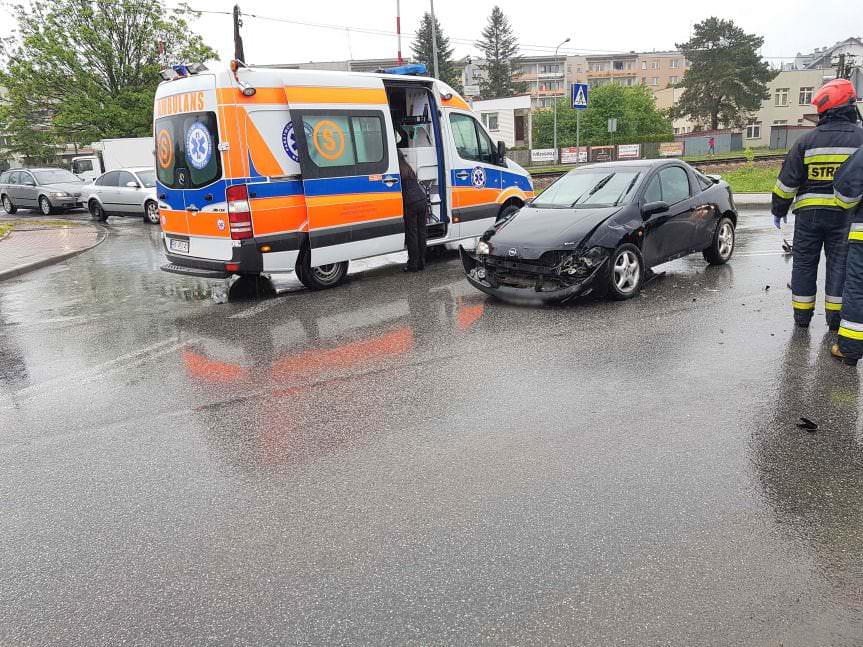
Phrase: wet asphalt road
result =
(405, 461)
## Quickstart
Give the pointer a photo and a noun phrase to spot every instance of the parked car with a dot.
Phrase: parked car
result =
(600, 228)
(47, 189)
(125, 192)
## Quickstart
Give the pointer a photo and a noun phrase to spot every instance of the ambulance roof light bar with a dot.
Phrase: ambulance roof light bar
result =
(182, 70)
(412, 69)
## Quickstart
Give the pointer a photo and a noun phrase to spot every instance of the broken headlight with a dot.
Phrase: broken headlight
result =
(482, 248)
(579, 263)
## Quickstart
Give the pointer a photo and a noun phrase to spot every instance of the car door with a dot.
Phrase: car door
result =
(705, 212)
(12, 187)
(475, 178)
(350, 168)
(28, 189)
(107, 190)
(128, 197)
(668, 234)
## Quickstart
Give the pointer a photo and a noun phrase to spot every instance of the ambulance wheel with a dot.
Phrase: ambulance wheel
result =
(722, 246)
(321, 277)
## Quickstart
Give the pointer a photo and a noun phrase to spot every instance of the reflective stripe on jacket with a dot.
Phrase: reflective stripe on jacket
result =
(848, 182)
(806, 178)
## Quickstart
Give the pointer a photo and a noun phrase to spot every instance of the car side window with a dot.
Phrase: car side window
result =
(653, 193)
(109, 179)
(26, 178)
(486, 148)
(13, 177)
(4, 177)
(464, 133)
(675, 184)
(704, 183)
(123, 177)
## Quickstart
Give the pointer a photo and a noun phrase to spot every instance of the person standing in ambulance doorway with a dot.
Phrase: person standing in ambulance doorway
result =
(415, 208)
(848, 189)
(805, 185)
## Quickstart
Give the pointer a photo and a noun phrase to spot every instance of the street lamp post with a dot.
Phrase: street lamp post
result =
(556, 49)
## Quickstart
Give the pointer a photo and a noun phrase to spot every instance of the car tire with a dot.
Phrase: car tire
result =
(320, 278)
(8, 205)
(45, 207)
(625, 273)
(507, 211)
(722, 246)
(97, 211)
(151, 212)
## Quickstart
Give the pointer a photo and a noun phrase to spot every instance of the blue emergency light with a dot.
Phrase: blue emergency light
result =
(413, 69)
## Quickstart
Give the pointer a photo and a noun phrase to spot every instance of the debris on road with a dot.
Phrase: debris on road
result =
(807, 424)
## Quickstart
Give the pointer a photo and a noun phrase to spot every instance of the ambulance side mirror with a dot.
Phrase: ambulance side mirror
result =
(501, 153)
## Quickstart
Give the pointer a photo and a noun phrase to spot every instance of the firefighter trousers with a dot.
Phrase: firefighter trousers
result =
(815, 229)
(851, 326)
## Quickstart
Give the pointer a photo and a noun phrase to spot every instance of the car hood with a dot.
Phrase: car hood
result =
(68, 187)
(534, 231)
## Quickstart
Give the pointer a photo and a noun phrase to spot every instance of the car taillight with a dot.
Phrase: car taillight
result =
(239, 213)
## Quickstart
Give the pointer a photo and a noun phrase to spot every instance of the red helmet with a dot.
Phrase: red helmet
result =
(835, 94)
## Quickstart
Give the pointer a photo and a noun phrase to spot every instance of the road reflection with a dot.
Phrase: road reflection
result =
(813, 482)
(269, 381)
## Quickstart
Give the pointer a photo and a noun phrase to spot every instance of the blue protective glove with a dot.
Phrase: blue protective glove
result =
(777, 221)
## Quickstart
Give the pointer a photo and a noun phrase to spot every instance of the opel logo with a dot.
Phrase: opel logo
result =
(513, 252)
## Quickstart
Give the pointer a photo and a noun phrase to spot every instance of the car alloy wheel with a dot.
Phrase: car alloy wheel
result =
(726, 240)
(7, 205)
(627, 272)
(44, 206)
(152, 213)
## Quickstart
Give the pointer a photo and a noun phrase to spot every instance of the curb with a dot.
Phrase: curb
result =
(29, 267)
(752, 199)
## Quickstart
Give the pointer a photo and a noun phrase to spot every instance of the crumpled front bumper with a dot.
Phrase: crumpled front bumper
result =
(474, 268)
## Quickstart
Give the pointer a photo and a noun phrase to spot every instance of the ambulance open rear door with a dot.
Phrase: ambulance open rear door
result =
(349, 163)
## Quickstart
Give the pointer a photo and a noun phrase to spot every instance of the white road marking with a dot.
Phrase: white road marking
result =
(252, 311)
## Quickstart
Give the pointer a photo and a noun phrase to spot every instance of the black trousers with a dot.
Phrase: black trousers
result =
(415, 235)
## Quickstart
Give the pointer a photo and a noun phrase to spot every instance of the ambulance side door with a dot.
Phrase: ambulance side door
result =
(351, 179)
(475, 176)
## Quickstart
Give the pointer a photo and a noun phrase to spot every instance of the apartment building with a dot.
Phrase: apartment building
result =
(656, 70)
(789, 103)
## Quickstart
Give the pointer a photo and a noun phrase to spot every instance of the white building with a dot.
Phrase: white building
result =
(508, 120)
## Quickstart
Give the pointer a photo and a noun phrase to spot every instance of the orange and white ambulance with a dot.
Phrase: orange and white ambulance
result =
(267, 169)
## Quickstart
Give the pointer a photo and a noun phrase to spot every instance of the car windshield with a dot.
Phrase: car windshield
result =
(54, 175)
(148, 178)
(598, 187)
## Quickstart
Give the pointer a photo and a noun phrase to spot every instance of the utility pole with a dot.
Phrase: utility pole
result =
(399, 29)
(434, 39)
(556, 49)
(239, 54)
(840, 67)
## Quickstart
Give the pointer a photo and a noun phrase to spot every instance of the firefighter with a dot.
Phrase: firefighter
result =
(805, 185)
(848, 189)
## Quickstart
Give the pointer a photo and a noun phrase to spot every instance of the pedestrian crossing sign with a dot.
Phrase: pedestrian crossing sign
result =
(579, 96)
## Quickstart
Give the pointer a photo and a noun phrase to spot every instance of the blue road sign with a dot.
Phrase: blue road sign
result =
(579, 96)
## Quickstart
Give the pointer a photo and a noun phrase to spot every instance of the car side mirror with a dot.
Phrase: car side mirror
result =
(652, 208)
(501, 153)
(132, 185)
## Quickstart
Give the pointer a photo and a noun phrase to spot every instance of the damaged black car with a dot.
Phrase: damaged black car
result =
(600, 229)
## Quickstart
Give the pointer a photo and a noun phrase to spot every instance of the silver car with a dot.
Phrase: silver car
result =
(47, 189)
(124, 192)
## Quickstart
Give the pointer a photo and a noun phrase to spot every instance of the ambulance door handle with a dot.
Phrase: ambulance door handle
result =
(192, 208)
(391, 181)
(162, 196)
(208, 197)
(462, 175)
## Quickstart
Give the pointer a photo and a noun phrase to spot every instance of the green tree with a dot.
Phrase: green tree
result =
(81, 70)
(727, 79)
(500, 50)
(424, 52)
(638, 119)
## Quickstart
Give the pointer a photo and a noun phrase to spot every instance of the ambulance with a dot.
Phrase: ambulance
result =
(269, 169)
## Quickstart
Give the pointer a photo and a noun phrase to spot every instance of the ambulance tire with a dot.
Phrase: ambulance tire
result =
(508, 211)
(320, 278)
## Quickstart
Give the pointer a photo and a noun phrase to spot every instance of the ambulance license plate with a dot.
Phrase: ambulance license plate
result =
(181, 246)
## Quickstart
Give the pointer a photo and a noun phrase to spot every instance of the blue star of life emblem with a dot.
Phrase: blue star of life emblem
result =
(477, 177)
(199, 146)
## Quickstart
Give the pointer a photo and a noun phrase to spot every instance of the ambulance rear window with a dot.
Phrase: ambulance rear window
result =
(187, 150)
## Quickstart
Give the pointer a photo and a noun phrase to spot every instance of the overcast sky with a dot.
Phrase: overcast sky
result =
(788, 27)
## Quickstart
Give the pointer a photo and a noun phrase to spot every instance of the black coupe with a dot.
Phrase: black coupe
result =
(598, 230)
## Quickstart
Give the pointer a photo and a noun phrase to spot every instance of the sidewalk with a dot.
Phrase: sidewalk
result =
(752, 200)
(36, 243)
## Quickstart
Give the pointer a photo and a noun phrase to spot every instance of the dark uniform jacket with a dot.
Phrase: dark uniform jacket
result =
(848, 183)
(806, 179)
(412, 191)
